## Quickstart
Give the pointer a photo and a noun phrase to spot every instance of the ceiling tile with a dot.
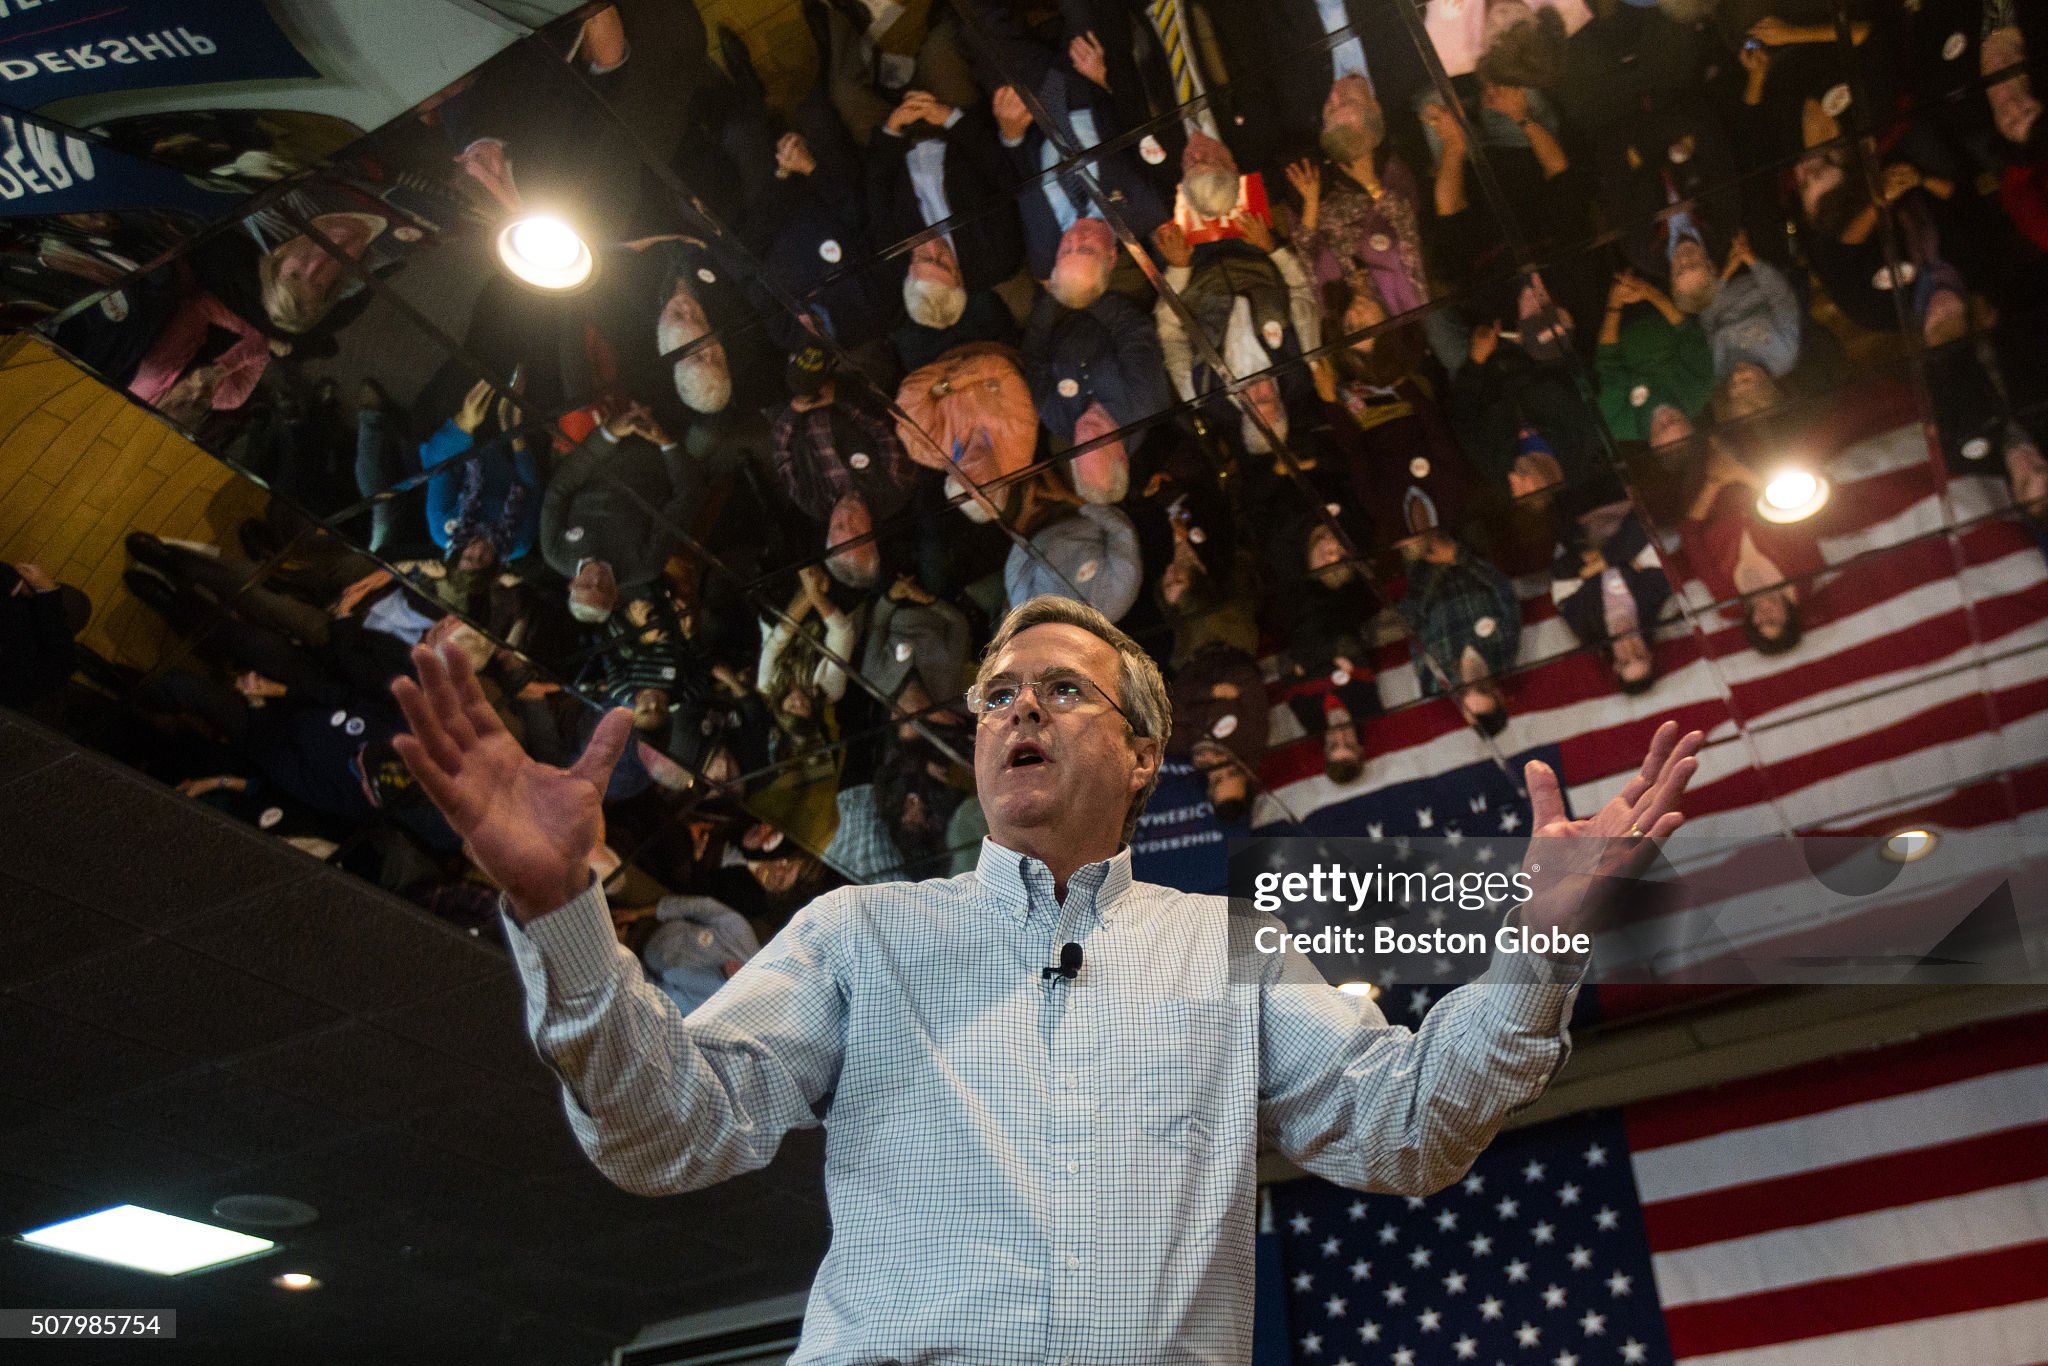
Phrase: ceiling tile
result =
(76, 828)
(62, 1061)
(341, 941)
(219, 1114)
(42, 931)
(521, 1131)
(24, 747)
(178, 1000)
(364, 1072)
(482, 1023)
(101, 1163)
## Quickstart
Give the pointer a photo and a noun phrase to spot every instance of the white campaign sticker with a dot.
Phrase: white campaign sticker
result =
(1954, 47)
(1379, 241)
(1836, 100)
(337, 718)
(704, 274)
(1273, 334)
(1087, 571)
(1340, 676)
(1418, 468)
(271, 816)
(574, 533)
(902, 651)
(1639, 395)
(1151, 150)
(354, 726)
(1976, 448)
(448, 527)
(1484, 627)
(860, 460)
(1196, 535)
(1069, 387)
(831, 250)
(1226, 726)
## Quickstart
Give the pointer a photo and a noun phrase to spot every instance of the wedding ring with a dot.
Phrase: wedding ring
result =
(1635, 832)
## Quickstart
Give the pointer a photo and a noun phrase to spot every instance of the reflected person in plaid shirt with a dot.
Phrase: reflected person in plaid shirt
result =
(1020, 1165)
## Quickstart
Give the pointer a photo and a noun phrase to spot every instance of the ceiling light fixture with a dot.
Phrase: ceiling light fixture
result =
(295, 1280)
(1369, 990)
(545, 252)
(1910, 846)
(1792, 495)
(147, 1240)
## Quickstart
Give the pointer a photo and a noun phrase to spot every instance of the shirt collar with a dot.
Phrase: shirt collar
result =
(1014, 882)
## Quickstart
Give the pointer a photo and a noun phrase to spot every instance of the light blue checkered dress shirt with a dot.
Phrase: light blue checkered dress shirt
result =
(1021, 1170)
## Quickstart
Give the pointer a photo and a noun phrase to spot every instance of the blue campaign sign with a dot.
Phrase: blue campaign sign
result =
(57, 49)
(46, 170)
(1179, 842)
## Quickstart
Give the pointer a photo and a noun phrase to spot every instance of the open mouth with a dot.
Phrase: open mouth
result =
(1026, 755)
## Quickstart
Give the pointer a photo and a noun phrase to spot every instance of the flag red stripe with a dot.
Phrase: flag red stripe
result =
(1816, 1087)
(1897, 1178)
(1947, 721)
(1957, 1285)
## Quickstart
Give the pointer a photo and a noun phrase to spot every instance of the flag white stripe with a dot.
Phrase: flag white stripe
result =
(2010, 1335)
(1955, 763)
(1941, 1114)
(1856, 1245)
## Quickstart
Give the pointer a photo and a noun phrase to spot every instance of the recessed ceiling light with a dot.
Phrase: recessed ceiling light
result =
(1910, 846)
(295, 1280)
(1369, 990)
(1792, 495)
(147, 1240)
(264, 1211)
(545, 252)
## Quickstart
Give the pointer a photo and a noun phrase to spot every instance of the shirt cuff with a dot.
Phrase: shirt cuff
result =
(1534, 993)
(605, 432)
(954, 118)
(573, 948)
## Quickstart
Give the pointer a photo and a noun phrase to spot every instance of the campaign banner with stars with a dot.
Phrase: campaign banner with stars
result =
(1884, 1208)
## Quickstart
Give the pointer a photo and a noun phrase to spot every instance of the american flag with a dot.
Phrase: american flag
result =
(1886, 1209)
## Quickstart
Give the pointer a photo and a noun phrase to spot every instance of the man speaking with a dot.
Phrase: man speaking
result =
(1043, 1084)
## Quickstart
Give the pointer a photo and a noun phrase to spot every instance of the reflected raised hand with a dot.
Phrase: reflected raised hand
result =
(1571, 862)
(530, 826)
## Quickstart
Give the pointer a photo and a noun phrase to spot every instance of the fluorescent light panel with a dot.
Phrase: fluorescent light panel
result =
(146, 1240)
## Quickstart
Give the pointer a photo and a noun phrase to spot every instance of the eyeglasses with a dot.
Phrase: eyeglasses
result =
(1056, 692)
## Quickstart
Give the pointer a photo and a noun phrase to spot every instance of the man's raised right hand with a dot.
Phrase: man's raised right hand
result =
(530, 826)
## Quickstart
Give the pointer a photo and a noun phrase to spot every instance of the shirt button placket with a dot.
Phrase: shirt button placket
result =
(1074, 1164)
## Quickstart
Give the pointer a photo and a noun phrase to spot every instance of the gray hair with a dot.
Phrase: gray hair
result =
(932, 304)
(1211, 191)
(1141, 691)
